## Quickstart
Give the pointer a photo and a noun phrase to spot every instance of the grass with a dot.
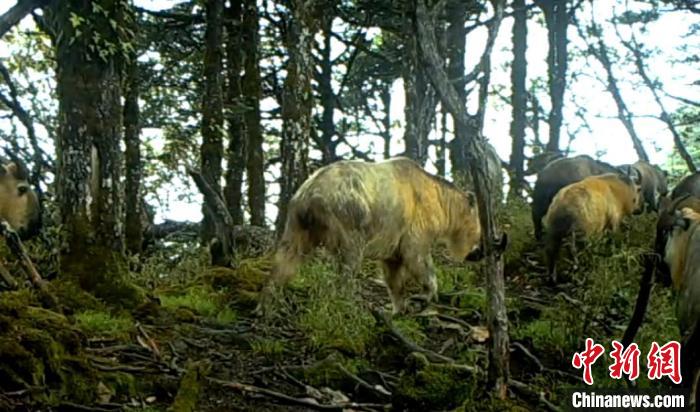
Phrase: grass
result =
(104, 323)
(334, 315)
(196, 299)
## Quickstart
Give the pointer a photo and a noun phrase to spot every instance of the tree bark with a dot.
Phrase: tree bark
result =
(236, 150)
(88, 83)
(476, 145)
(600, 52)
(456, 49)
(297, 102)
(252, 91)
(211, 150)
(328, 98)
(420, 98)
(557, 21)
(385, 95)
(133, 228)
(518, 99)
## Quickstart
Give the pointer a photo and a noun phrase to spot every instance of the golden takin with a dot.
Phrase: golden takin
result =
(19, 204)
(393, 211)
(682, 255)
(591, 206)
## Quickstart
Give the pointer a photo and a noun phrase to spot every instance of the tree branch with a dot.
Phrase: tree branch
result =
(17, 13)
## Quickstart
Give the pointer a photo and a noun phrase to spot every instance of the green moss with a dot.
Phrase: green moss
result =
(327, 373)
(197, 299)
(269, 348)
(226, 316)
(104, 323)
(190, 388)
(104, 273)
(411, 329)
(433, 387)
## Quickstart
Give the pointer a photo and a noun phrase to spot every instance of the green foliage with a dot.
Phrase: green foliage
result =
(334, 314)
(104, 323)
(198, 299)
(267, 347)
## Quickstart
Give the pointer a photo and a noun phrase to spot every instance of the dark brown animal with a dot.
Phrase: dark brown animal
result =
(653, 182)
(19, 204)
(689, 185)
(682, 255)
(558, 174)
(393, 211)
(668, 214)
(591, 206)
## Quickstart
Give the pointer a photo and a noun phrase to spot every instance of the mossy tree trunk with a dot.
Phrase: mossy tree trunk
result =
(252, 91)
(297, 102)
(236, 151)
(211, 151)
(90, 52)
(496, 314)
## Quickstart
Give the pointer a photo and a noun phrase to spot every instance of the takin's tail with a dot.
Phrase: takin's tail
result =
(560, 224)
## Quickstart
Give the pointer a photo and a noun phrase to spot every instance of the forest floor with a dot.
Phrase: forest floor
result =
(330, 346)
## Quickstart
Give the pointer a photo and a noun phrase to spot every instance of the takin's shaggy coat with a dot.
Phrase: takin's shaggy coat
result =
(652, 180)
(19, 204)
(557, 174)
(589, 207)
(393, 211)
(682, 255)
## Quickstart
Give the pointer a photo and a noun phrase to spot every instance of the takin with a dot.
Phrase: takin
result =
(668, 214)
(653, 182)
(558, 174)
(689, 185)
(591, 206)
(682, 255)
(19, 204)
(392, 211)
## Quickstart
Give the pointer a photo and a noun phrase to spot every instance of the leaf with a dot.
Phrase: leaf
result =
(75, 20)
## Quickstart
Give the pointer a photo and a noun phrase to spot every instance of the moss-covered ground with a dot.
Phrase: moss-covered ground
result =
(194, 344)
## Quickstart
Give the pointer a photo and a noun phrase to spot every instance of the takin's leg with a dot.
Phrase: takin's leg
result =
(394, 277)
(286, 263)
(422, 269)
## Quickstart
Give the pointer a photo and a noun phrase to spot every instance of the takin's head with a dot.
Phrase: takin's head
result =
(633, 178)
(19, 204)
(464, 243)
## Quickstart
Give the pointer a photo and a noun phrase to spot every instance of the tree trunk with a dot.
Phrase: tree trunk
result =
(420, 97)
(211, 151)
(476, 147)
(456, 41)
(385, 95)
(600, 52)
(557, 21)
(297, 102)
(88, 83)
(133, 228)
(236, 151)
(325, 77)
(518, 100)
(252, 91)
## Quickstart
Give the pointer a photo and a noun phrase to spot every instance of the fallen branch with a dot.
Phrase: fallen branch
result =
(378, 389)
(412, 346)
(532, 393)
(645, 286)
(17, 248)
(308, 403)
(7, 277)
